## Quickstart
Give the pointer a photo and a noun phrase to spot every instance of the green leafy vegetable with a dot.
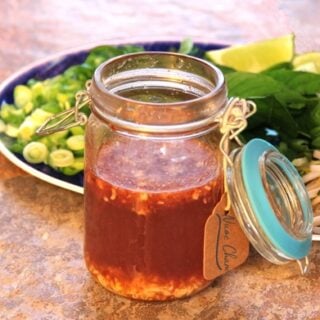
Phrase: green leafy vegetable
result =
(305, 83)
(270, 114)
(288, 104)
(250, 85)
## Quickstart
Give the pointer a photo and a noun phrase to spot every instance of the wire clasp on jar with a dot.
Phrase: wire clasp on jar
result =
(68, 118)
(232, 123)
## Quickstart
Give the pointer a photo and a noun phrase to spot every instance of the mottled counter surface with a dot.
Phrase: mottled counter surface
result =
(42, 272)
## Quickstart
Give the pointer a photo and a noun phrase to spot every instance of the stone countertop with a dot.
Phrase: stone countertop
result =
(43, 275)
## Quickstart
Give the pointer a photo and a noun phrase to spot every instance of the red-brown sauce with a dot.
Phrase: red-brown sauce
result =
(146, 206)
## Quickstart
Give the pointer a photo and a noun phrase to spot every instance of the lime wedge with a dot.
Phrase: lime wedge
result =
(309, 62)
(255, 57)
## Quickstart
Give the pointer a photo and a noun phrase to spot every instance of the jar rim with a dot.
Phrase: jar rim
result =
(203, 110)
(98, 75)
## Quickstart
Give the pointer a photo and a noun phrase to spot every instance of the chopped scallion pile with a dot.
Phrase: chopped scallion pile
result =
(36, 101)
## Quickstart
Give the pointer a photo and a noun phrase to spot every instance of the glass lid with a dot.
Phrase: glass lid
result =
(270, 202)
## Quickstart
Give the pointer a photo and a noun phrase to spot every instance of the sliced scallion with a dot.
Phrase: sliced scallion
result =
(35, 152)
(61, 158)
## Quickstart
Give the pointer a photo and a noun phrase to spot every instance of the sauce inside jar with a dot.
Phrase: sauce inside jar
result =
(146, 206)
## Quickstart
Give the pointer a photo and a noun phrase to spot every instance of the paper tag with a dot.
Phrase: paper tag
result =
(225, 244)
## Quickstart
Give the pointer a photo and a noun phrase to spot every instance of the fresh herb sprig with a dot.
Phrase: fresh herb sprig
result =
(288, 107)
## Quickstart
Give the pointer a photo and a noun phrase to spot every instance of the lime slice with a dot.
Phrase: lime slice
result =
(309, 62)
(255, 57)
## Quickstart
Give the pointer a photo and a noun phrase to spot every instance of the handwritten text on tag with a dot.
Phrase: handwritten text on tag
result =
(225, 245)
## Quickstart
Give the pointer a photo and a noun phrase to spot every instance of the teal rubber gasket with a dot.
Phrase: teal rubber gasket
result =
(258, 199)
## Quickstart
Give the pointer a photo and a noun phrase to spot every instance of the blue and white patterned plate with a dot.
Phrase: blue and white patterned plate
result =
(48, 68)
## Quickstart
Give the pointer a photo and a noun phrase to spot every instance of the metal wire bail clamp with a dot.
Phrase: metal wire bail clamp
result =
(68, 118)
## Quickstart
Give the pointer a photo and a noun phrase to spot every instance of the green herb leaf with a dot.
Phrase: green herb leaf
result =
(308, 118)
(250, 85)
(271, 114)
(305, 83)
(291, 99)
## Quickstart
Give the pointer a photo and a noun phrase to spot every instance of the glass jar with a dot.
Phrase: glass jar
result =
(163, 189)
(153, 173)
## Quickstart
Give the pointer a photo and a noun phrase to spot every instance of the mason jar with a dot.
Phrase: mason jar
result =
(170, 204)
(153, 173)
